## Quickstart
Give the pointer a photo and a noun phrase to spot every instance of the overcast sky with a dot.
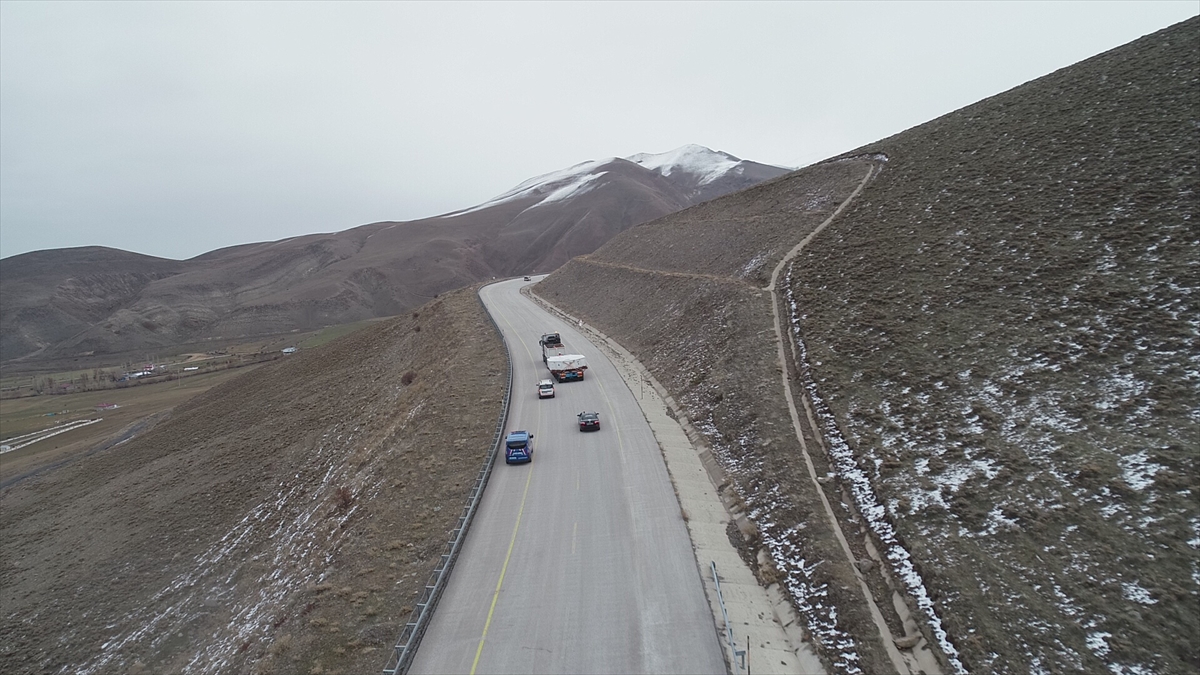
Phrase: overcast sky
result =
(172, 129)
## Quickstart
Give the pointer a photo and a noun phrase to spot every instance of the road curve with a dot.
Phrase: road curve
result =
(580, 561)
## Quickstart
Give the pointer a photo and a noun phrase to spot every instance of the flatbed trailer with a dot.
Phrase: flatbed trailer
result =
(564, 366)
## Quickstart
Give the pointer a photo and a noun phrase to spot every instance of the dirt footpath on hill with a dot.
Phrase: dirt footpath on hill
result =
(279, 523)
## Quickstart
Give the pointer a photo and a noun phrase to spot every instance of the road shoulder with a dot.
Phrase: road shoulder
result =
(761, 618)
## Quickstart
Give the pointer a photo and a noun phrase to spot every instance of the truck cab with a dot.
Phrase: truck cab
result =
(518, 447)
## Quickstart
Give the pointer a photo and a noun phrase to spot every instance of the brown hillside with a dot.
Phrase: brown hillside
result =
(1024, 385)
(50, 296)
(997, 341)
(280, 523)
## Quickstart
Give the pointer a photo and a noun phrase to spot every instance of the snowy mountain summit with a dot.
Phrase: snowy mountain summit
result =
(699, 163)
(695, 172)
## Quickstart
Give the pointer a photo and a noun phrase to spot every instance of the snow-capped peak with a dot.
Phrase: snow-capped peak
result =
(695, 164)
(704, 164)
(555, 186)
(581, 172)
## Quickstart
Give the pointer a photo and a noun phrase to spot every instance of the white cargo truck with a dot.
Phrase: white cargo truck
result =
(567, 367)
(563, 365)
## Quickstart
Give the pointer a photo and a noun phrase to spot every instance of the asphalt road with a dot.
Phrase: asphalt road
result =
(578, 562)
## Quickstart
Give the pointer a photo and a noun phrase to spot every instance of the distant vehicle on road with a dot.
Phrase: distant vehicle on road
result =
(518, 447)
(545, 389)
(589, 421)
(526, 278)
(562, 365)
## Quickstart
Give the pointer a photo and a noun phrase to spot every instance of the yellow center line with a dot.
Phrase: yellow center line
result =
(516, 526)
(503, 570)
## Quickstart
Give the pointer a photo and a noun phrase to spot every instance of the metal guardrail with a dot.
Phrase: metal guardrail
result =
(739, 655)
(418, 619)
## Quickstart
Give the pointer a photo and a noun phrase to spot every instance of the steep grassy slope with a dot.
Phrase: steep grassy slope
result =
(1005, 326)
(999, 346)
(279, 523)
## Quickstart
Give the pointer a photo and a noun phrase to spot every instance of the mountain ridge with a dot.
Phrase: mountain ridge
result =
(53, 308)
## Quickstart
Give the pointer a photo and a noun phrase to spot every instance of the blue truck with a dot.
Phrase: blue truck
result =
(518, 447)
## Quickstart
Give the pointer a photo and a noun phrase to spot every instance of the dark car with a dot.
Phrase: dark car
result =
(589, 421)
(518, 447)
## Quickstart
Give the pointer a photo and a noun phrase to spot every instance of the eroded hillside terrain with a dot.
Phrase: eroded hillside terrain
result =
(1005, 326)
(998, 347)
(280, 523)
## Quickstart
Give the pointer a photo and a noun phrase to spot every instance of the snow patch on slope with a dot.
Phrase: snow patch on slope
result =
(705, 164)
(863, 493)
(578, 186)
(556, 186)
(554, 180)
